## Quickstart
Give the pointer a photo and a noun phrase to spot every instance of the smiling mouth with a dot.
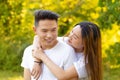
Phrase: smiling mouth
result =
(49, 41)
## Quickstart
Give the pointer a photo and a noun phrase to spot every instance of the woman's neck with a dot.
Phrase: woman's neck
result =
(78, 50)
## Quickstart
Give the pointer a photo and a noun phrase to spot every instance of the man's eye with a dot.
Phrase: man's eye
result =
(44, 31)
(53, 30)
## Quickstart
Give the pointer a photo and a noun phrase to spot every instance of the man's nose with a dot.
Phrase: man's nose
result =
(49, 35)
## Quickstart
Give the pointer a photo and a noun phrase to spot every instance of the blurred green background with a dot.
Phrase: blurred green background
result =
(17, 20)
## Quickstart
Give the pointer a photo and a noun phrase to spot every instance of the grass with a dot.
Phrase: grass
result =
(9, 75)
(112, 74)
(109, 74)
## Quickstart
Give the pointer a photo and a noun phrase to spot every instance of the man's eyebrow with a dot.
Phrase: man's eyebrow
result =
(54, 28)
(44, 29)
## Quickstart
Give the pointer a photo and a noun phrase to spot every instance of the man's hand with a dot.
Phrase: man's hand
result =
(27, 75)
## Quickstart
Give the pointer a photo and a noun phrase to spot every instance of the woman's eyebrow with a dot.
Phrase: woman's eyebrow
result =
(75, 34)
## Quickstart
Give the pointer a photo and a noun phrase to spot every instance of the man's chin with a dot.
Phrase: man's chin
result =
(48, 44)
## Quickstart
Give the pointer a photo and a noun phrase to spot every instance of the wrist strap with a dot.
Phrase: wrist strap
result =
(38, 62)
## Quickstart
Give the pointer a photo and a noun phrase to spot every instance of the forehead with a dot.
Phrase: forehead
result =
(47, 24)
(77, 29)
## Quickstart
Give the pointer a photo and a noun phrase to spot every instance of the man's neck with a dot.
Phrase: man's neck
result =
(46, 47)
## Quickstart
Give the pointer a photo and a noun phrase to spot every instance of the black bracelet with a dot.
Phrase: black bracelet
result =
(38, 62)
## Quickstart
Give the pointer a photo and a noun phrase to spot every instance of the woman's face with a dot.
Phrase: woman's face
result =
(75, 38)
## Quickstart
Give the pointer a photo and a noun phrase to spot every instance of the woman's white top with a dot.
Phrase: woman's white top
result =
(79, 64)
(80, 67)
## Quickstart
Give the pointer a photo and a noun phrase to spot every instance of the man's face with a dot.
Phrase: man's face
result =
(47, 32)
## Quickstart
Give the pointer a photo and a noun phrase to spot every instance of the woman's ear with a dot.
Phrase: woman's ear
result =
(34, 29)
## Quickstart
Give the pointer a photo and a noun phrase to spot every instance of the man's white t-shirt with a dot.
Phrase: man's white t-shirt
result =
(61, 54)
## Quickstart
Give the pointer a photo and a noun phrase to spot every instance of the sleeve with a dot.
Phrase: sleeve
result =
(25, 59)
(71, 57)
(80, 68)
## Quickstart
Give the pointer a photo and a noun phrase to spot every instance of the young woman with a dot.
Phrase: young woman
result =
(85, 38)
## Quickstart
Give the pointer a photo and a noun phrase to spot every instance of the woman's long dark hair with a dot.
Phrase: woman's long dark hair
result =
(92, 49)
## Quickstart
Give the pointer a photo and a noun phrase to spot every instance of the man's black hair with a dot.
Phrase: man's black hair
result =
(45, 14)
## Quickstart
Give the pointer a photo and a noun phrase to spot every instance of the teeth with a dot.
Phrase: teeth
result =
(48, 40)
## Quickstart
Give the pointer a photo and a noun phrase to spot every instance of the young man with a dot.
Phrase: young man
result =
(46, 27)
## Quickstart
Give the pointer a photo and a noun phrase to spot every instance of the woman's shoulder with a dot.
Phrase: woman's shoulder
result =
(80, 55)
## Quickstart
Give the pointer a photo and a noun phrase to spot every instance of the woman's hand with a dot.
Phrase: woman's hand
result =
(37, 53)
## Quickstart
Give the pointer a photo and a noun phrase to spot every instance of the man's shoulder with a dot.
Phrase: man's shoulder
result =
(62, 39)
(65, 46)
(29, 47)
(28, 50)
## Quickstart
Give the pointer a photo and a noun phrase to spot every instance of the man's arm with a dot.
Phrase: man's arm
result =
(36, 70)
(27, 74)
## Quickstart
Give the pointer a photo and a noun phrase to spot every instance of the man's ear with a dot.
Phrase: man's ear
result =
(34, 29)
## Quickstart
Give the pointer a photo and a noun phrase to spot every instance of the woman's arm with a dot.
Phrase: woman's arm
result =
(37, 68)
(56, 70)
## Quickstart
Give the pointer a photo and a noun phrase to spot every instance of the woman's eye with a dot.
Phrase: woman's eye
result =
(74, 37)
